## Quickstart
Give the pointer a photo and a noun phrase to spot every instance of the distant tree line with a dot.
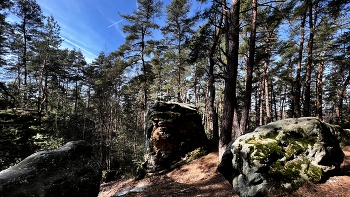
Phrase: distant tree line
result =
(243, 63)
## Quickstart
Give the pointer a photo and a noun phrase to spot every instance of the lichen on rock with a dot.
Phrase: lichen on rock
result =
(282, 156)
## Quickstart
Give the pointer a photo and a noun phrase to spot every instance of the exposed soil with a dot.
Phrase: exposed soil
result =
(200, 178)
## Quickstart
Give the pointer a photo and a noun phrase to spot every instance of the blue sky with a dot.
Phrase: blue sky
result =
(89, 25)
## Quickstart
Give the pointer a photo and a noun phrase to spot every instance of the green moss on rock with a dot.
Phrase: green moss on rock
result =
(265, 151)
(293, 174)
(315, 173)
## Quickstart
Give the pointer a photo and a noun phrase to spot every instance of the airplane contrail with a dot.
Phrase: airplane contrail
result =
(72, 43)
(115, 23)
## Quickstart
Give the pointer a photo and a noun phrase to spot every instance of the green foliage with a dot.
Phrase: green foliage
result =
(104, 102)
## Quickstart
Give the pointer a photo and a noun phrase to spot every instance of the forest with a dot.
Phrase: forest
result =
(242, 63)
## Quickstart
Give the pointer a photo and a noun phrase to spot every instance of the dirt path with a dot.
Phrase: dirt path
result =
(200, 178)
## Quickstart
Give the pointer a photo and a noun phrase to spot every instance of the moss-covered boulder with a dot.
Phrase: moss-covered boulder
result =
(343, 135)
(71, 170)
(281, 156)
(175, 134)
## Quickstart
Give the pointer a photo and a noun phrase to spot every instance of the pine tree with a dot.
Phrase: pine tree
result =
(177, 33)
(139, 44)
(4, 31)
(249, 69)
(46, 52)
(31, 19)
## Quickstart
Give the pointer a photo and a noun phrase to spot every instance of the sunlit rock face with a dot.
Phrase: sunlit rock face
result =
(281, 156)
(71, 170)
(175, 134)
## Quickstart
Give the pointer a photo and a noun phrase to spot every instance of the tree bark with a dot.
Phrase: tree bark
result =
(312, 26)
(212, 112)
(211, 78)
(319, 96)
(341, 95)
(251, 61)
(229, 103)
(265, 79)
(297, 92)
(261, 106)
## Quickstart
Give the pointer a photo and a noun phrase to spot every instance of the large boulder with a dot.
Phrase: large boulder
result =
(71, 170)
(175, 134)
(281, 156)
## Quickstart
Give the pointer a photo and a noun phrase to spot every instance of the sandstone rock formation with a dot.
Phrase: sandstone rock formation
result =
(68, 171)
(175, 134)
(281, 156)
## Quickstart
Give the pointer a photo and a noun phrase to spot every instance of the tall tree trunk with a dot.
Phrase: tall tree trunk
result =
(291, 94)
(41, 93)
(145, 85)
(19, 80)
(312, 26)
(194, 88)
(24, 55)
(283, 100)
(179, 66)
(76, 98)
(274, 103)
(251, 61)
(229, 103)
(257, 113)
(46, 94)
(211, 104)
(265, 76)
(319, 114)
(261, 104)
(24, 63)
(341, 95)
(211, 78)
(266, 86)
(297, 92)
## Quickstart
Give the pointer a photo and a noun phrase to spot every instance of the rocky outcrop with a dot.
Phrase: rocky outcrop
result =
(281, 156)
(342, 135)
(175, 134)
(68, 171)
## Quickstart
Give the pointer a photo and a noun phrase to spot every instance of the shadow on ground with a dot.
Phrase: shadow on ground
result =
(171, 188)
(200, 178)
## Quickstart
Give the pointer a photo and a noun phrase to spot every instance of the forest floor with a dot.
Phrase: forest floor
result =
(200, 178)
